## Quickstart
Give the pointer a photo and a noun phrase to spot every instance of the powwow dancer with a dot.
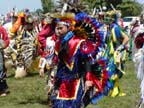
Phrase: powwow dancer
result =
(135, 26)
(75, 51)
(116, 52)
(4, 42)
(26, 42)
(9, 52)
(138, 59)
(47, 64)
(13, 28)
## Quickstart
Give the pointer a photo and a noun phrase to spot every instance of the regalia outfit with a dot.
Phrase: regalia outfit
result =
(117, 56)
(26, 41)
(4, 42)
(138, 59)
(76, 64)
(47, 61)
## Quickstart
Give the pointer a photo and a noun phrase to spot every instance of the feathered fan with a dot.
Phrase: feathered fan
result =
(88, 28)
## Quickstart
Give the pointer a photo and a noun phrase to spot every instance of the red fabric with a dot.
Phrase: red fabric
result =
(104, 77)
(121, 23)
(139, 40)
(47, 31)
(73, 47)
(102, 63)
(73, 44)
(104, 72)
(54, 37)
(4, 36)
(87, 47)
(68, 89)
(41, 51)
(44, 33)
(91, 77)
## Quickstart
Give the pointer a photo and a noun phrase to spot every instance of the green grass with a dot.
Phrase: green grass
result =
(30, 92)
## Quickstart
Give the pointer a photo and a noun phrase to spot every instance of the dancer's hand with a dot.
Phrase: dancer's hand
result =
(121, 47)
(88, 84)
(41, 72)
(1, 47)
(2, 44)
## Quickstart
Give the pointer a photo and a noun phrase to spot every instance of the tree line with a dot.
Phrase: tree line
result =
(127, 7)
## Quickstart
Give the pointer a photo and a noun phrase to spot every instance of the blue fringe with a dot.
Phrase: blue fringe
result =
(96, 98)
(68, 36)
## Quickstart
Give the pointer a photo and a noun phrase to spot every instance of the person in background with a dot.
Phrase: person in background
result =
(138, 59)
(4, 42)
(46, 39)
(47, 31)
(117, 44)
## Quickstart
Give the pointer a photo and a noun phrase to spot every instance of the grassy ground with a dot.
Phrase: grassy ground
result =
(130, 85)
(30, 92)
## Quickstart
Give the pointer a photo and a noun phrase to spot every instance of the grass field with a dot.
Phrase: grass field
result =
(30, 92)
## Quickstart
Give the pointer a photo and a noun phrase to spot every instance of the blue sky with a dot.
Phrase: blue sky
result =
(141, 1)
(6, 5)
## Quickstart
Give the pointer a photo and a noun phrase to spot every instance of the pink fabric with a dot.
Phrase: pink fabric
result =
(47, 31)
(121, 23)
(4, 36)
